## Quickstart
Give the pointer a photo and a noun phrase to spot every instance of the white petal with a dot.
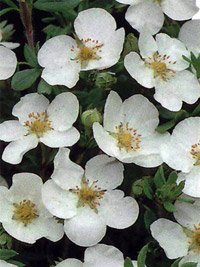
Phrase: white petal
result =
(192, 182)
(138, 70)
(146, 15)
(15, 151)
(5, 264)
(184, 86)
(10, 45)
(112, 107)
(60, 139)
(107, 171)
(67, 174)
(181, 10)
(103, 255)
(11, 130)
(63, 111)
(6, 207)
(147, 44)
(118, 213)
(173, 48)
(187, 214)
(86, 228)
(126, 2)
(29, 103)
(190, 35)
(70, 263)
(8, 66)
(170, 235)
(59, 202)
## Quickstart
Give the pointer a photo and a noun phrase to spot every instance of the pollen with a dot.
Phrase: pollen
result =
(38, 124)
(195, 152)
(160, 66)
(194, 239)
(89, 194)
(25, 212)
(127, 138)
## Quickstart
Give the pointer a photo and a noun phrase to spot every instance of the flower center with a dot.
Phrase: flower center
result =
(195, 152)
(127, 138)
(38, 123)
(25, 212)
(88, 50)
(159, 65)
(194, 239)
(88, 194)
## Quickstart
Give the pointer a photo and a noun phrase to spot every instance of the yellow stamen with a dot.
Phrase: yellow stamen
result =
(195, 152)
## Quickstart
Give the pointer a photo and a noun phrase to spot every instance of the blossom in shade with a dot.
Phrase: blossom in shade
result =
(162, 66)
(86, 199)
(184, 235)
(182, 153)
(97, 45)
(128, 131)
(153, 11)
(98, 256)
(39, 121)
(22, 212)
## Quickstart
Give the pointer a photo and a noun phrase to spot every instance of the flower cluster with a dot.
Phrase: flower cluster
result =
(80, 179)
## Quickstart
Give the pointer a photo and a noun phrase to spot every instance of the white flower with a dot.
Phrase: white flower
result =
(98, 256)
(197, 16)
(184, 235)
(86, 199)
(162, 66)
(148, 14)
(128, 131)
(190, 35)
(40, 121)
(22, 212)
(97, 45)
(5, 264)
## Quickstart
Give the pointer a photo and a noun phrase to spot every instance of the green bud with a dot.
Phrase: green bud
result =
(90, 116)
(131, 44)
(105, 80)
(137, 188)
(6, 31)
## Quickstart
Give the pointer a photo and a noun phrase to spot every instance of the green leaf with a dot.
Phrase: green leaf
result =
(128, 263)
(175, 263)
(149, 218)
(172, 178)
(56, 5)
(189, 264)
(44, 88)
(30, 56)
(9, 3)
(142, 256)
(17, 263)
(196, 112)
(6, 254)
(169, 206)
(147, 188)
(159, 178)
(24, 79)
(165, 126)
(6, 10)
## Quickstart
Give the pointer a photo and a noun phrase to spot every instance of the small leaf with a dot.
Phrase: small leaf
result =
(56, 5)
(169, 206)
(24, 79)
(128, 263)
(165, 126)
(149, 218)
(189, 264)
(159, 178)
(142, 256)
(196, 112)
(172, 178)
(6, 254)
(175, 263)
(30, 56)
(147, 188)
(44, 88)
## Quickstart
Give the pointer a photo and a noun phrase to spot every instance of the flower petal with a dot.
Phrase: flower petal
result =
(86, 228)
(11, 130)
(8, 66)
(15, 151)
(170, 235)
(5, 264)
(63, 111)
(147, 44)
(138, 70)
(105, 170)
(60, 139)
(70, 263)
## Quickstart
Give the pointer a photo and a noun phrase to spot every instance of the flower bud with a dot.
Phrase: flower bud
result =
(90, 116)
(105, 80)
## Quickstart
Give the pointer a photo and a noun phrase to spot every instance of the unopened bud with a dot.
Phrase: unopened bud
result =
(90, 116)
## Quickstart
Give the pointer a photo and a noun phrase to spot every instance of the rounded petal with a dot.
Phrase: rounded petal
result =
(70, 263)
(126, 2)
(60, 139)
(86, 228)
(147, 44)
(10, 45)
(15, 151)
(181, 10)
(138, 70)
(11, 130)
(5, 264)
(59, 202)
(118, 213)
(112, 107)
(170, 235)
(8, 66)
(63, 111)
(51, 229)
(105, 170)
(29, 103)
(103, 255)
(192, 182)
(190, 35)
(184, 86)
(152, 13)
